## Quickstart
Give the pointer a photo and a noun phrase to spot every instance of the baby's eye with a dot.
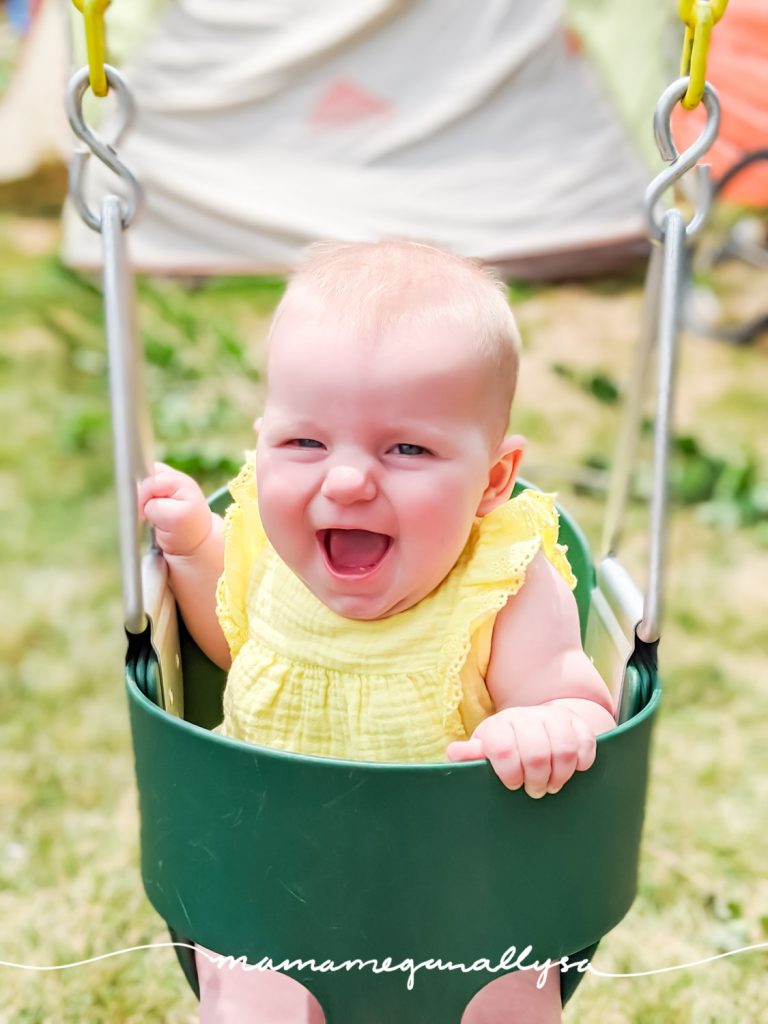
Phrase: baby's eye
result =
(410, 449)
(305, 442)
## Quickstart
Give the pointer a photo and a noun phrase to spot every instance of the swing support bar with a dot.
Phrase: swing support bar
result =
(660, 329)
(669, 320)
(131, 426)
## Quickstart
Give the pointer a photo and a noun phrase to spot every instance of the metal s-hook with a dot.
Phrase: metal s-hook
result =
(681, 163)
(105, 151)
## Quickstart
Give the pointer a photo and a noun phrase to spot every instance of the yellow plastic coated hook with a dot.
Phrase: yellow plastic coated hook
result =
(95, 42)
(699, 16)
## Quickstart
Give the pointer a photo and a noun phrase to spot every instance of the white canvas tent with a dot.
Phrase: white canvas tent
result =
(32, 123)
(265, 124)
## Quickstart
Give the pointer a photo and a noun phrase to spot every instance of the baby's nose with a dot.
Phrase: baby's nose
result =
(347, 484)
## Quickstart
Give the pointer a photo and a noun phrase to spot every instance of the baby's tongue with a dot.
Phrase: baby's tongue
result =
(356, 549)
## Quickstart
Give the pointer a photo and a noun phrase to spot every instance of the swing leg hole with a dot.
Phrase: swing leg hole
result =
(233, 995)
(515, 999)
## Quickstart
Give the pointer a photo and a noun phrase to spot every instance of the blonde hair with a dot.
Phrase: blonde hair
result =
(373, 286)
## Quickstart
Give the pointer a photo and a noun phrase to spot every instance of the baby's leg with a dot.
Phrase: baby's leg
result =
(232, 995)
(514, 999)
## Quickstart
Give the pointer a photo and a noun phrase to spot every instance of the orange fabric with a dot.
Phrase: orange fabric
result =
(738, 68)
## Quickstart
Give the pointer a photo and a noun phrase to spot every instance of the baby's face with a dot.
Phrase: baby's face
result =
(373, 458)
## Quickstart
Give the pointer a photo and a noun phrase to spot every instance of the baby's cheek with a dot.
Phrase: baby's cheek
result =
(438, 525)
(441, 504)
(276, 491)
(276, 498)
(285, 493)
(282, 484)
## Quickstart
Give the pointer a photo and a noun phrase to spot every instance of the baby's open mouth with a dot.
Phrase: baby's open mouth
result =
(354, 552)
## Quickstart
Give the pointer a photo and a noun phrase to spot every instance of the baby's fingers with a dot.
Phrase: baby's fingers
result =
(465, 750)
(503, 751)
(565, 744)
(499, 747)
(574, 746)
(166, 482)
(164, 513)
(587, 748)
(535, 748)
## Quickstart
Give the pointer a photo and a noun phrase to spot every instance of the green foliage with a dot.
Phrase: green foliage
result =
(159, 352)
(201, 464)
(619, 284)
(262, 293)
(84, 429)
(520, 291)
(193, 345)
(44, 286)
(729, 490)
(727, 487)
(598, 384)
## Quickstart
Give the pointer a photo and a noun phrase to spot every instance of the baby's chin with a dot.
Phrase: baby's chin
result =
(359, 607)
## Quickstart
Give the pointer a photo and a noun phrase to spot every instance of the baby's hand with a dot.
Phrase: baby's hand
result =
(539, 747)
(174, 504)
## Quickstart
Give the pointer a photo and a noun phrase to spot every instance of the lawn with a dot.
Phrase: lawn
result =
(69, 879)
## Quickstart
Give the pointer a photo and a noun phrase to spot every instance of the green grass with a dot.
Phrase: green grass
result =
(69, 878)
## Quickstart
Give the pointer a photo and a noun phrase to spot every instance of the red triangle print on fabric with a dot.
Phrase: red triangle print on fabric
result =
(344, 102)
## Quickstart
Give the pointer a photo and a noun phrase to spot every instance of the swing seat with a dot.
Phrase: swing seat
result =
(259, 853)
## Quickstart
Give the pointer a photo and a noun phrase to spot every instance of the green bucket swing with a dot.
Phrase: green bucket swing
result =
(255, 853)
(357, 872)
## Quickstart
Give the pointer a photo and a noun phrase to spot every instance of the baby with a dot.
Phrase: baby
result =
(372, 591)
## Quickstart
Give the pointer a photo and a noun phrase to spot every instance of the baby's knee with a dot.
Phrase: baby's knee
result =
(231, 993)
(516, 999)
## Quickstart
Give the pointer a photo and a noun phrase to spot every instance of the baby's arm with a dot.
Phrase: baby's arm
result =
(191, 539)
(551, 702)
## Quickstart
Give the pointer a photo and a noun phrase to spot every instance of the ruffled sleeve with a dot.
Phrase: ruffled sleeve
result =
(540, 515)
(491, 569)
(504, 543)
(244, 538)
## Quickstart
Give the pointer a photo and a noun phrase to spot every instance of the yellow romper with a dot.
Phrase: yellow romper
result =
(401, 688)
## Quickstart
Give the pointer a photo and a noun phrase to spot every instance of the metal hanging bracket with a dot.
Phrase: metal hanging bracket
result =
(104, 151)
(683, 162)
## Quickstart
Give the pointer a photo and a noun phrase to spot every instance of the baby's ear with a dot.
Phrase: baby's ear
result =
(502, 474)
